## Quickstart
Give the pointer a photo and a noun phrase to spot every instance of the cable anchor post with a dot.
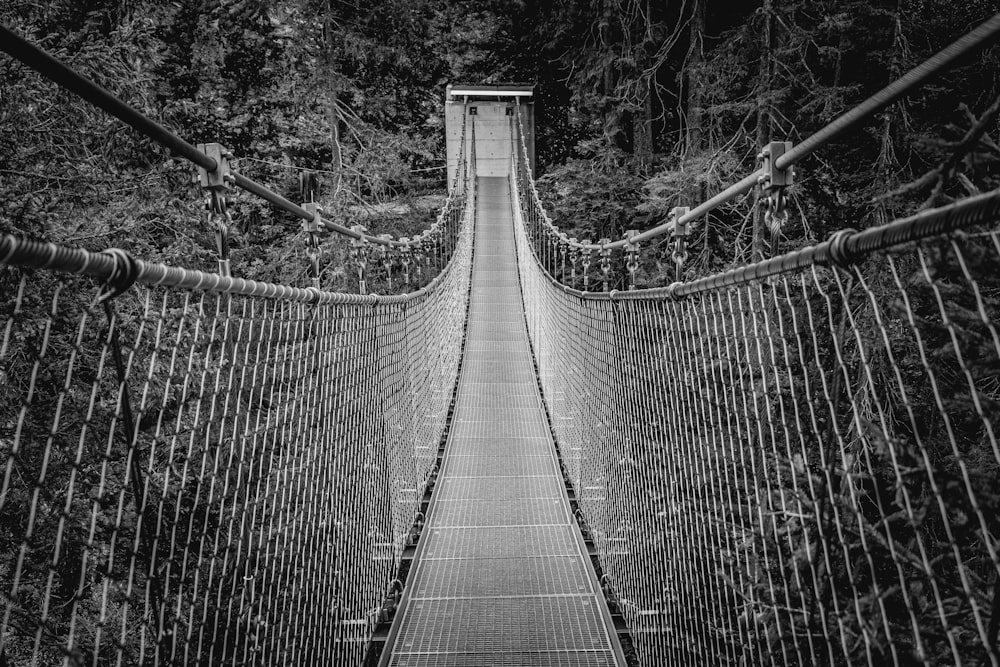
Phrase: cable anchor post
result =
(631, 256)
(774, 182)
(680, 233)
(605, 263)
(359, 254)
(218, 182)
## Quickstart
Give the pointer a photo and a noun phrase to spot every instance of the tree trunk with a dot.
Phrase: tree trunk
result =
(693, 72)
(642, 119)
(887, 167)
(764, 122)
(333, 110)
(337, 156)
(612, 128)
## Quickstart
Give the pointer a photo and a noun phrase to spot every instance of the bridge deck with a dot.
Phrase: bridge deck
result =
(502, 576)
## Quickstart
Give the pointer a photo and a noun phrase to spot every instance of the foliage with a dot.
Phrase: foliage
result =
(641, 107)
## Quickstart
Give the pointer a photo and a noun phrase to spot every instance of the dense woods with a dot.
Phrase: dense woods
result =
(641, 106)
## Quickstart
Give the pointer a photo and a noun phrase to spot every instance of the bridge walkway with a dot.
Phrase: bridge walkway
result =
(502, 576)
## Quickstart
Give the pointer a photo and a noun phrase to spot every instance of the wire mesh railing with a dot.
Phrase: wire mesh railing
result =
(795, 463)
(205, 470)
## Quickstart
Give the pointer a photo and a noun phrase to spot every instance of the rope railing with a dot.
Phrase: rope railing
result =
(217, 176)
(773, 174)
(199, 469)
(794, 463)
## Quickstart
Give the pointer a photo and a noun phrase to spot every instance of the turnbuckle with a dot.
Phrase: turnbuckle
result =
(631, 256)
(405, 258)
(312, 227)
(359, 254)
(218, 183)
(680, 233)
(605, 263)
(386, 254)
(574, 257)
(563, 252)
(586, 253)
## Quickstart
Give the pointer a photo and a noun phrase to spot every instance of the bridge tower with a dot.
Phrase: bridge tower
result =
(495, 118)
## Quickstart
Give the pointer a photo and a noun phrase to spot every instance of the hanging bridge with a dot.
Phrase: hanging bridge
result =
(527, 460)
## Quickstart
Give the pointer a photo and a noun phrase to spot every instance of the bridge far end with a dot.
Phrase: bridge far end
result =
(492, 109)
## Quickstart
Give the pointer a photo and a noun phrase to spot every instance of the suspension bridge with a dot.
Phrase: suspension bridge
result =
(527, 460)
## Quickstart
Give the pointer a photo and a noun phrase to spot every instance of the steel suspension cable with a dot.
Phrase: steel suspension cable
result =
(66, 77)
(977, 39)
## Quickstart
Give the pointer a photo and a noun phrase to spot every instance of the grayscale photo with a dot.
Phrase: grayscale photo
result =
(473, 333)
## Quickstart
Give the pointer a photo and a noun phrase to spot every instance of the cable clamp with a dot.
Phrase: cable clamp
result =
(405, 258)
(388, 256)
(359, 253)
(221, 178)
(774, 177)
(774, 181)
(631, 256)
(124, 273)
(680, 232)
(563, 246)
(314, 223)
(586, 252)
(680, 228)
(839, 254)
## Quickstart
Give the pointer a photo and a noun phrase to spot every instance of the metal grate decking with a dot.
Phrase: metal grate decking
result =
(502, 577)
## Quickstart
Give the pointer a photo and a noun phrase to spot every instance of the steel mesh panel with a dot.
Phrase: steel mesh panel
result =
(527, 399)
(496, 387)
(553, 575)
(498, 428)
(494, 488)
(505, 447)
(535, 659)
(500, 466)
(519, 512)
(496, 625)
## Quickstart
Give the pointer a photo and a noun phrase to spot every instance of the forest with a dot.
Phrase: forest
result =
(641, 107)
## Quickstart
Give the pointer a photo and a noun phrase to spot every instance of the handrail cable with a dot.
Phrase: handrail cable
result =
(918, 76)
(844, 248)
(61, 74)
(31, 254)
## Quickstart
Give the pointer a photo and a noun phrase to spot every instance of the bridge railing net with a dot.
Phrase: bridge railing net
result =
(194, 477)
(796, 470)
